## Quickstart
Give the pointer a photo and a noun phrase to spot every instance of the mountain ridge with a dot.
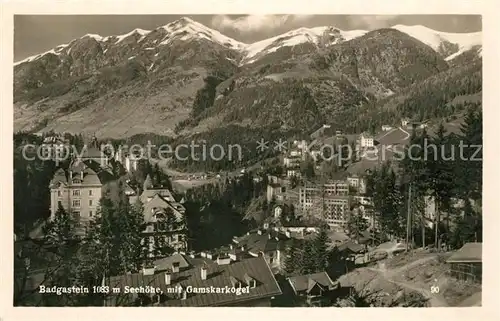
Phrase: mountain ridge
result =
(459, 41)
(182, 78)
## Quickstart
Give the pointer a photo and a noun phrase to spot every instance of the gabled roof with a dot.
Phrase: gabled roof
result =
(268, 241)
(93, 174)
(218, 276)
(307, 282)
(166, 263)
(351, 246)
(158, 202)
(470, 252)
(59, 177)
(163, 192)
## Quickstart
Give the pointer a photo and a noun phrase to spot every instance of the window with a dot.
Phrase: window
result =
(90, 193)
(253, 283)
(90, 202)
(76, 203)
(76, 214)
(91, 214)
(76, 192)
(59, 193)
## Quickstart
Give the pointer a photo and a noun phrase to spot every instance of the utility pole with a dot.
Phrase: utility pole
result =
(408, 219)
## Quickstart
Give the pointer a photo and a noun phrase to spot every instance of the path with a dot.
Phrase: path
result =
(435, 299)
(404, 131)
(386, 133)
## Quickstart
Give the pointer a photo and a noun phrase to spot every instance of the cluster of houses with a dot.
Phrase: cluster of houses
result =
(331, 200)
(251, 261)
(79, 189)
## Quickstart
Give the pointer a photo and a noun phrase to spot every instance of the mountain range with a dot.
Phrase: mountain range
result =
(185, 78)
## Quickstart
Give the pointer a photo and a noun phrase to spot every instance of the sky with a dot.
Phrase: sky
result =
(34, 34)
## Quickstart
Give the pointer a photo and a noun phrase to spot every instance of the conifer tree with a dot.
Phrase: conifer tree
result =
(320, 251)
(293, 257)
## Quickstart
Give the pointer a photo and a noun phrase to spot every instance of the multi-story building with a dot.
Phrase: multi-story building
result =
(291, 161)
(358, 183)
(165, 220)
(364, 205)
(386, 128)
(339, 188)
(79, 189)
(329, 201)
(129, 161)
(366, 140)
(293, 172)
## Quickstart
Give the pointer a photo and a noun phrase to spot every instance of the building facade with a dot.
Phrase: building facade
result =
(366, 140)
(79, 189)
(329, 201)
(165, 220)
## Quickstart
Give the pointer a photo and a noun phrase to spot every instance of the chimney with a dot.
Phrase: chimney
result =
(204, 271)
(287, 233)
(183, 294)
(243, 248)
(231, 246)
(168, 277)
(81, 175)
(175, 267)
(149, 270)
(259, 232)
(223, 260)
(70, 175)
(266, 225)
(192, 255)
(269, 236)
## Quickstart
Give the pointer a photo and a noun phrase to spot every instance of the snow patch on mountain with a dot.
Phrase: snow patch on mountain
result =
(434, 39)
(186, 29)
(297, 37)
(141, 32)
(55, 51)
(95, 36)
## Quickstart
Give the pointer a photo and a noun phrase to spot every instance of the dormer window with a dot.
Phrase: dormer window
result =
(77, 181)
(252, 283)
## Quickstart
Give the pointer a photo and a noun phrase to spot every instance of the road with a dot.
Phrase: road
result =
(435, 299)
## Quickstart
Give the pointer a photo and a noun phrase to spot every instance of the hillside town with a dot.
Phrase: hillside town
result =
(332, 218)
(325, 163)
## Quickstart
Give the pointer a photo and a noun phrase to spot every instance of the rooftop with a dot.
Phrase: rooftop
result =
(159, 202)
(470, 252)
(93, 174)
(351, 246)
(218, 276)
(166, 263)
(307, 282)
(267, 241)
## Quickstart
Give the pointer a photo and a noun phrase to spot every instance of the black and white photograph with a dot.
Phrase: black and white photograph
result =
(279, 160)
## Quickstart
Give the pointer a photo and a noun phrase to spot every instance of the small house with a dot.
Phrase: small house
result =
(466, 263)
(313, 287)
